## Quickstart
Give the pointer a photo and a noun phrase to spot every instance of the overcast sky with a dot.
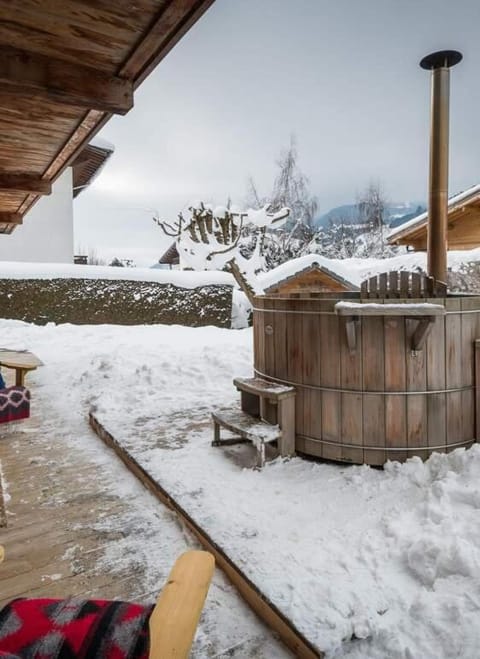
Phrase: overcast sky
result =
(341, 75)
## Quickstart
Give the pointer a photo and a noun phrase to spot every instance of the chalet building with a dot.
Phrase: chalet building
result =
(463, 229)
(53, 214)
(170, 258)
(60, 91)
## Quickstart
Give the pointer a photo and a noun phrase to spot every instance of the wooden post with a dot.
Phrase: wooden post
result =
(286, 421)
(477, 390)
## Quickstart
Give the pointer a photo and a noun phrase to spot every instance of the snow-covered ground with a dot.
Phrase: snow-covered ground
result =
(369, 564)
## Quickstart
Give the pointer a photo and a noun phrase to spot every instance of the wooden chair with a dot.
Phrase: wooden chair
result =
(175, 617)
(402, 284)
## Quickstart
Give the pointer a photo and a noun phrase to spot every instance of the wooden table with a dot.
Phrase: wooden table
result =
(21, 361)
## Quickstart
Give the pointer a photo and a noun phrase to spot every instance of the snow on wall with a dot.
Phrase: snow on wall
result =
(47, 230)
(180, 278)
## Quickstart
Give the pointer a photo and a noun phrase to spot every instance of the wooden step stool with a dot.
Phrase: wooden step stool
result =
(267, 415)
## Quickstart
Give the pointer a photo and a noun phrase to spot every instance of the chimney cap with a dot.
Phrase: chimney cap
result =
(442, 58)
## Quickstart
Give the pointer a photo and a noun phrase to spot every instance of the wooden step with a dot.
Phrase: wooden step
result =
(247, 426)
(264, 388)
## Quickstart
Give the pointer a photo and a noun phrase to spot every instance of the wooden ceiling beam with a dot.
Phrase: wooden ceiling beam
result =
(72, 84)
(24, 183)
(10, 218)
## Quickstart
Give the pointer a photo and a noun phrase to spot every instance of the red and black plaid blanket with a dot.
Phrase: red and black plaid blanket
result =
(74, 628)
(14, 404)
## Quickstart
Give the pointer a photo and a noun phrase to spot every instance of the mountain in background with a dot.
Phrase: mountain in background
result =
(396, 214)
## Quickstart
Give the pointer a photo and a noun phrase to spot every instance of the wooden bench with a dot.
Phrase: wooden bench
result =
(21, 361)
(267, 415)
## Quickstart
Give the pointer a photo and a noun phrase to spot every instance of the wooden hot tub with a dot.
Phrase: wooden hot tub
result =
(381, 400)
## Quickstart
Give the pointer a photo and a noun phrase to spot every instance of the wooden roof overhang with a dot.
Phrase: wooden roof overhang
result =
(87, 165)
(66, 66)
(463, 226)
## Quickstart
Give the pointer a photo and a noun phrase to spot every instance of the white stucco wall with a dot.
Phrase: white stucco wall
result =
(46, 234)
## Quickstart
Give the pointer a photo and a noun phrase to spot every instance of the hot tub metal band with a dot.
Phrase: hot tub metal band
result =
(334, 313)
(385, 449)
(301, 385)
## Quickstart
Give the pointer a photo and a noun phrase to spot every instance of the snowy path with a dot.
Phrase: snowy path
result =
(80, 523)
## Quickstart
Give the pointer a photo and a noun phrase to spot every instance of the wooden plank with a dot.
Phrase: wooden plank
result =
(176, 614)
(330, 377)
(25, 183)
(453, 367)
(259, 325)
(259, 603)
(404, 284)
(296, 354)
(416, 285)
(469, 335)
(11, 218)
(416, 380)
(382, 285)
(393, 291)
(311, 399)
(74, 84)
(286, 421)
(395, 380)
(423, 310)
(352, 404)
(280, 342)
(436, 403)
(373, 380)
(477, 390)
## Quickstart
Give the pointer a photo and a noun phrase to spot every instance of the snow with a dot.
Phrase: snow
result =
(368, 563)
(290, 268)
(453, 201)
(356, 270)
(424, 307)
(180, 278)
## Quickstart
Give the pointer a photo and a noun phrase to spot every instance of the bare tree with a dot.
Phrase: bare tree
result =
(93, 258)
(291, 189)
(372, 211)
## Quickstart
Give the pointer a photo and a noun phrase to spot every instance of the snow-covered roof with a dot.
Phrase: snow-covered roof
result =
(416, 222)
(332, 267)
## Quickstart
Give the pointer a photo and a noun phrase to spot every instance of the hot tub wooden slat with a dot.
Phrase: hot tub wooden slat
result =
(329, 347)
(416, 378)
(436, 403)
(395, 380)
(469, 327)
(352, 404)
(453, 352)
(373, 380)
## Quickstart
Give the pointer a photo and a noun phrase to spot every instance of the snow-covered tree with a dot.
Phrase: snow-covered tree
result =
(208, 238)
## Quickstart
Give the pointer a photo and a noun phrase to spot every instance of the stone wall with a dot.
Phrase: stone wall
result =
(120, 302)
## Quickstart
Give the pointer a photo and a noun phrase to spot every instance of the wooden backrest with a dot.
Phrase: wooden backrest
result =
(402, 284)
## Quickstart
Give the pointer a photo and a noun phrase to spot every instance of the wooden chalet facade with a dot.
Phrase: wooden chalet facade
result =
(463, 229)
(66, 66)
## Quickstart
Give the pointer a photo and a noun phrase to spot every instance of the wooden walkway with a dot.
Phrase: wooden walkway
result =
(78, 523)
(52, 510)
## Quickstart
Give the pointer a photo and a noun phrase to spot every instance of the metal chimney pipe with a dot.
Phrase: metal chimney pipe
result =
(439, 64)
